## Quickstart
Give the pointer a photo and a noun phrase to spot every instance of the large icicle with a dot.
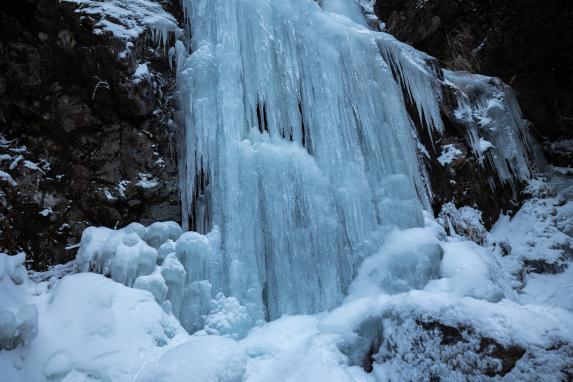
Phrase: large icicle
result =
(298, 146)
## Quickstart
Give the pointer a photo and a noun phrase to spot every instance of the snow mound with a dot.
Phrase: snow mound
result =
(201, 359)
(179, 269)
(469, 270)
(88, 328)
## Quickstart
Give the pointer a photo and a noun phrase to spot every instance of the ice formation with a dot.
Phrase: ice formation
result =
(299, 147)
(222, 360)
(18, 320)
(496, 129)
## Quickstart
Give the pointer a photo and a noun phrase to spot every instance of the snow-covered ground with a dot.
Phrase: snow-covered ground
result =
(425, 304)
(540, 237)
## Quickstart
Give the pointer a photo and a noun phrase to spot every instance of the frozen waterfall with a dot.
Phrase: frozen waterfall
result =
(298, 146)
(299, 154)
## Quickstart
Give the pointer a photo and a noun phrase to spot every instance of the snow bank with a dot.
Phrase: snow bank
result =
(82, 327)
(201, 359)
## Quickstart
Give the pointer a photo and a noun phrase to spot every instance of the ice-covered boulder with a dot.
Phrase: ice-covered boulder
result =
(164, 250)
(465, 221)
(13, 267)
(194, 250)
(174, 275)
(181, 270)
(153, 283)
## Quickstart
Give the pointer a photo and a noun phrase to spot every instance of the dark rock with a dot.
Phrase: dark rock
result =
(505, 248)
(544, 266)
(87, 132)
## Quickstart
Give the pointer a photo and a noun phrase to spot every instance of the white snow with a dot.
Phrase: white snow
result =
(15, 162)
(141, 73)
(484, 145)
(129, 19)
(88, 327)
(147, 181)
(46, 212)
(121, 187)
(463, 222)
(33, 166)
(449, 153)
(204, 358)
(419, 276)
(408, 260)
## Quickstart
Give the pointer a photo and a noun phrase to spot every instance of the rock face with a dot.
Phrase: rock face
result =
(524, 42)
(86, 129)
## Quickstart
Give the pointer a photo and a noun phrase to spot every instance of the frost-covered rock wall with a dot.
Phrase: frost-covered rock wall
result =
(86, 121)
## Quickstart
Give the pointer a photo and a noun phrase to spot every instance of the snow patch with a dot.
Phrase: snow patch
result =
(449, 154)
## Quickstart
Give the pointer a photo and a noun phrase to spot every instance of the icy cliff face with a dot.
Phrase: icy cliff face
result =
(299, 146)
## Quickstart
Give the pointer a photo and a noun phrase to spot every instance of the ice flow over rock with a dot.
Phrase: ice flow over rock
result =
(299, 147)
